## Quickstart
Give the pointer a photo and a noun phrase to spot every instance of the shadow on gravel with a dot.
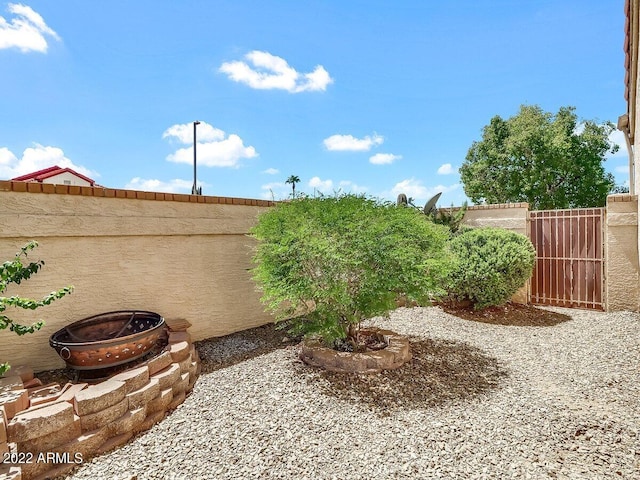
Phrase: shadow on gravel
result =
(221, 352)
(512, 314)
(440, 371)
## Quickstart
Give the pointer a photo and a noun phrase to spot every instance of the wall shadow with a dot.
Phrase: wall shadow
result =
(440, 372)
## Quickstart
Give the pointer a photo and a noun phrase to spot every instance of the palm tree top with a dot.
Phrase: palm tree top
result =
(293, 179)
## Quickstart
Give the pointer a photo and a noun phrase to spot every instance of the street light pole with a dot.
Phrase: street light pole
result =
(194, 190)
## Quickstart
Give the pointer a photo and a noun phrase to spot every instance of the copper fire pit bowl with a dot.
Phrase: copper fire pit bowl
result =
(108, 339)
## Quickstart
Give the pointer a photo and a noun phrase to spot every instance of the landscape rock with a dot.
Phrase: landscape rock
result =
(476, 401)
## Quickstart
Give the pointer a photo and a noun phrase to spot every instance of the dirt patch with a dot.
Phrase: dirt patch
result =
(440, 371)
(60, 376)
(514, 314)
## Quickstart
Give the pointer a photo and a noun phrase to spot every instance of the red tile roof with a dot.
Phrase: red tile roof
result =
(630, 45)
(45, 173)
(627, 47)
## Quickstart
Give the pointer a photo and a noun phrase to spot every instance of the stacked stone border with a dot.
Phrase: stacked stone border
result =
(48, 435)
(394, 355)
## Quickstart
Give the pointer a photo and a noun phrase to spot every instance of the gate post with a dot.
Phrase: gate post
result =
(622, 289)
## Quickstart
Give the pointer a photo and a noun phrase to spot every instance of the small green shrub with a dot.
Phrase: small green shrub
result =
(492, 264)
(339, 260)
(14, 271)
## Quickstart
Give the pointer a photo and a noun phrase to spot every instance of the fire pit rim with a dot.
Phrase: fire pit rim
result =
(87, 320)
(108, 348)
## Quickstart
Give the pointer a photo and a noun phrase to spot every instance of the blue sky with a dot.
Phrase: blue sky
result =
(369, 96)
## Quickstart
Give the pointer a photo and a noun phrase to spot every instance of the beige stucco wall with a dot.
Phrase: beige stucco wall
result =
(511, 216)
(622, 290)
(633, 107)
(180, 259)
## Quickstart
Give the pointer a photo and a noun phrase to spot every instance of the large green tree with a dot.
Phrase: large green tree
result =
(550, 161)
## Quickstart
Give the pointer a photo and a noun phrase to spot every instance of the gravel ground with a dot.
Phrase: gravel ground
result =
(477, 401)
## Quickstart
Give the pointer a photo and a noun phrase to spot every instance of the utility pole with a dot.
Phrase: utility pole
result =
(194, 189)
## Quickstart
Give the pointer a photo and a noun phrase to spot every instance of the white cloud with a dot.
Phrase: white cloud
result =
(419, 192)
(26, 31)
(271, 171)
(349, 186)
(213, 149)
(184, 133)
(321, 185)
(446, 169)
(316, 80)
(37, 158)
(152, 185)
(622, 169)
(275, 191)
(617, 137)
(384, 158)
(272, 185)
(268, 72)
(7, 157)
(350, 143)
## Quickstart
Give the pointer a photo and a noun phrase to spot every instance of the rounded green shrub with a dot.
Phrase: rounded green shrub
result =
(332, 262)
(492, 264)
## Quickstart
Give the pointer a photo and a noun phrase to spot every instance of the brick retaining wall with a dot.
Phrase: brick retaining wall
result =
(54, 432)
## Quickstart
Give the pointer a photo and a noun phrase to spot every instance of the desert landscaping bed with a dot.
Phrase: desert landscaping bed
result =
(480, 399)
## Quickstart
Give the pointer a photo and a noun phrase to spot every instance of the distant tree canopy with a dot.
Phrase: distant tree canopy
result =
(550, 161)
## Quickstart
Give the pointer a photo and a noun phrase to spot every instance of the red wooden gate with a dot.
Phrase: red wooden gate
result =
(569, 257)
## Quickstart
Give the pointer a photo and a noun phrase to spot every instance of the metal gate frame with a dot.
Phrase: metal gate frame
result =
(569, 266)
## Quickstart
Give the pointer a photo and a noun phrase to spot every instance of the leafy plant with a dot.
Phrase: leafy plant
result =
(492, 264)
(15, 271)
(332, 262)
(620, 189)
